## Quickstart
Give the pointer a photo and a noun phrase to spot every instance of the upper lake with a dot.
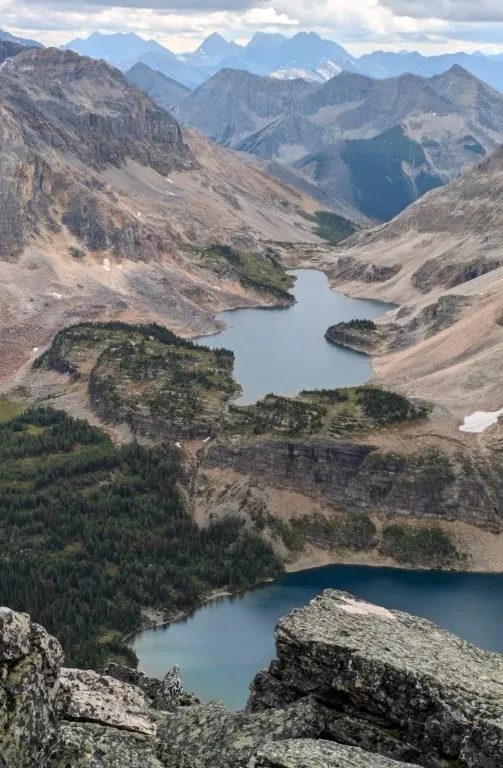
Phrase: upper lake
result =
(284, 350)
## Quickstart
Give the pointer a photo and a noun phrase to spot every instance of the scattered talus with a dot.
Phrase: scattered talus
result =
(105, 201)
(354, 686)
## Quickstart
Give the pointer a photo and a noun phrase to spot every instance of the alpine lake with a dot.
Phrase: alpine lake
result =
(227, 641)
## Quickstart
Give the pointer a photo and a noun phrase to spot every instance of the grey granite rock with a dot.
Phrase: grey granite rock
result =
(29, 667)
(212, 737)
(354, 685)
(398, 684)
(317, 754)
(90, 697)
(166, 694)
(87, 745)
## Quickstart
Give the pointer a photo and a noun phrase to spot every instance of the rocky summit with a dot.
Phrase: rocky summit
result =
(353, 686)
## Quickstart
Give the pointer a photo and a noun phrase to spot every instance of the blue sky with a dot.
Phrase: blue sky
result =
(432, 26)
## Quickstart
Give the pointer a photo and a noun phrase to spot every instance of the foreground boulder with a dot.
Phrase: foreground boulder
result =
(29, 667)
(354, 686)
(389, 683)
(318, 754)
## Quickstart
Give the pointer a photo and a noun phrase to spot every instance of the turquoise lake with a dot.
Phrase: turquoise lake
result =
(284, 350)
(223, 645)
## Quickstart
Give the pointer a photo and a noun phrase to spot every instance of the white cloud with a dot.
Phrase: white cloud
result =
(451, 10)
(427, 25)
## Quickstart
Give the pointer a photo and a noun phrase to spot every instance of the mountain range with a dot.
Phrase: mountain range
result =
(377, 144)
(305, 55)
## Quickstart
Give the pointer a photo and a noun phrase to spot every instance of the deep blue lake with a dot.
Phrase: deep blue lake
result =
(223, 645)
(284, 350)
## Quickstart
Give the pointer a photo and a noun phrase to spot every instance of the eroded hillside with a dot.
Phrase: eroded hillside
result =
(106, 201)
(442, 261)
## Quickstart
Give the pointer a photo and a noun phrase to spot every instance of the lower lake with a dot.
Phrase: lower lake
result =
(221, 647)
(284, 350)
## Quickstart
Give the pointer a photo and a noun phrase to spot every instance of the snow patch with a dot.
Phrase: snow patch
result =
(35, 349)
(106, 265)
(56, 295)
(169, 181)
(361, 608)
(480, 421)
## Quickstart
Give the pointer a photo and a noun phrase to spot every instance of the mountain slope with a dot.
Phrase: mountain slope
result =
(442, 260)
(4, 35)
(430, 128)
(163, 90)
(9, 49)
(107, 205)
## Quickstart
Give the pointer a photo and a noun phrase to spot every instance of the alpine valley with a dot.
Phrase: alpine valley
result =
(134, 487)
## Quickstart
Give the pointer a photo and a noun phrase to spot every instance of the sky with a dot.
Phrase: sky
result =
(431, 26)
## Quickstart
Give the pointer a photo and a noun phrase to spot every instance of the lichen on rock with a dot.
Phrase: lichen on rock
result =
(29, 666)
(307, 753)
(389, 682)
(355, 685)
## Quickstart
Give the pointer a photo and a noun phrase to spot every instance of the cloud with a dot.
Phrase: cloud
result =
(450, 10)
(168, 6)
(182, 24)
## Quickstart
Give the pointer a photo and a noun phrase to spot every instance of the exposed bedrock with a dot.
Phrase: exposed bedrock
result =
(358, 476)
(353, 686)
(388, 682)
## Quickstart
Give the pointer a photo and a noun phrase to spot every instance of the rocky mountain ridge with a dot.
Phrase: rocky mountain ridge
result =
(353, 685)
(163, 90)
(407, 134)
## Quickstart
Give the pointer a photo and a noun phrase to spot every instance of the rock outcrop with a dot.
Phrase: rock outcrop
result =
(354, 686)
(389, 683)
(29, 667)
(358, 476)
(308, 753)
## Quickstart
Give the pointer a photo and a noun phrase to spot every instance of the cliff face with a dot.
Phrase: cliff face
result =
(358, 476)
(354, 686)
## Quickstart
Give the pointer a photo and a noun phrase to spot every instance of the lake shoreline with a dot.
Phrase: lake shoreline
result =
(312, 562)
(212, 597)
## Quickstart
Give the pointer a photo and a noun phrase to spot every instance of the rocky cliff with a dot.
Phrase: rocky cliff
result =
(357, 476)
(354, 686)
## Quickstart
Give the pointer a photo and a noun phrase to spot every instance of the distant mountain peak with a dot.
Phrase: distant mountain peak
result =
(217, 46)
(8, 37)
(259, 38)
